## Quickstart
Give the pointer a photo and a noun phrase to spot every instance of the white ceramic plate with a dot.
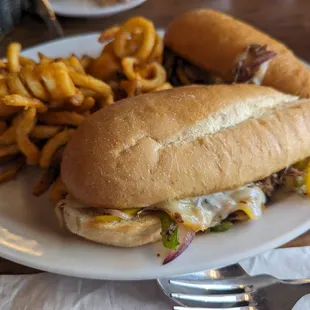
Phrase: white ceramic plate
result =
(90, 8)
(29, 233)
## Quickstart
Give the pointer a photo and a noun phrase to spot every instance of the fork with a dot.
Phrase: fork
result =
(44, 9)
(227, 272)
(261, 292)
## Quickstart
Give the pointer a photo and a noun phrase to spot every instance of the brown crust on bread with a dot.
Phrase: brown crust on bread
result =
(213, 41)
(138, 231)
(173, 144)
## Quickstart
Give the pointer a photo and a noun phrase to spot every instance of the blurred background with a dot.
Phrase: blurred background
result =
(27, 22)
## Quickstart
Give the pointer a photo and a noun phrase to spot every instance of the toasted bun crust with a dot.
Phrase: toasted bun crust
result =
(213, 41)
(139, 231)
(183, 142)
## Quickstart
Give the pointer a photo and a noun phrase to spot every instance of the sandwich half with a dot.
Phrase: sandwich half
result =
(205, 46)
(169, 164)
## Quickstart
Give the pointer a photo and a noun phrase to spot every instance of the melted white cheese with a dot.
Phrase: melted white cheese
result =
(260, 74)
(200, 213)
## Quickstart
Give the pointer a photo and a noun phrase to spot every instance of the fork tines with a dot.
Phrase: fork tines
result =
(195, 308)
(227, 298)
(217, 295)
(212, 285)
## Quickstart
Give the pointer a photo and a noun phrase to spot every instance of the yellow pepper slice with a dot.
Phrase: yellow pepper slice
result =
(252, 213)
(113, 218)
(302, 164)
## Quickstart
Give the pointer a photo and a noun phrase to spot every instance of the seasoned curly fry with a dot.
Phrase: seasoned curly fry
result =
(120, 44)
(44, 131)
(109, 34)
(58, 192)
(148, 41)
(88, 81)
(158, 77)
(9, 150)
(11, 172)
(128, 64)
(154, 69)
(165, 86)
(158, 50)
(24, 127)
(52, 145)
(12, 56)
(106, 66)
(62, 118)
(20, 101)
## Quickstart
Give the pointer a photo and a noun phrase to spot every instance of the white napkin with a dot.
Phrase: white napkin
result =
(47, 291)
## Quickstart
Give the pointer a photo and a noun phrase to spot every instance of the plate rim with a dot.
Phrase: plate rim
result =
(67, 271)
(98, 12)
(58, 40)
(28, 260)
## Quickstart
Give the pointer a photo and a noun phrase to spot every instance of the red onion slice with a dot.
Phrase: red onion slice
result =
(190, 234)
(252, 64)
(150, 208)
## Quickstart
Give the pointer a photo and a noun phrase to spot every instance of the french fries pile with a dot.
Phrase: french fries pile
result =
(42, 103)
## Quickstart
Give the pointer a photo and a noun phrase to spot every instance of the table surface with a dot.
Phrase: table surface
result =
(286, 20)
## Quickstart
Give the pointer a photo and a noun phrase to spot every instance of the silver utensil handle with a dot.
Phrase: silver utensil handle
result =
(45, 10)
